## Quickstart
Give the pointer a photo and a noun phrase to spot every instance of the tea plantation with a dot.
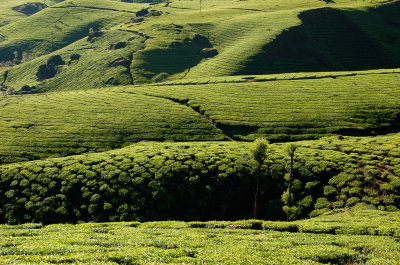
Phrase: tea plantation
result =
(282, 107)
(200, 132)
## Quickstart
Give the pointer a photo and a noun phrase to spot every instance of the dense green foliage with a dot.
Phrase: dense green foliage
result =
(192, 181)
(182, 243)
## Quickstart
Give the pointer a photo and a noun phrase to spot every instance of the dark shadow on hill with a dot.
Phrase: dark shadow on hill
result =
(327, 40)
(30, 8)
(378, 123)
(178, 57)
(13, 52)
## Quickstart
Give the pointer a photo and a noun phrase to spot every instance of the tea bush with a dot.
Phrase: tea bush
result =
(196, 181)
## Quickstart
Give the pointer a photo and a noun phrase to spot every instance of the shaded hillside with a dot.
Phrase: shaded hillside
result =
(328, 40)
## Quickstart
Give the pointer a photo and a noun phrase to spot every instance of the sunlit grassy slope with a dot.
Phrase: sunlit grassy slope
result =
(7, 15)
(293, 109)
(269, 37)
(76, 122)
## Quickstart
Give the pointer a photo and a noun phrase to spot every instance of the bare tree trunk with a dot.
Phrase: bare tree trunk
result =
(256, 214)
(200, 5)
(289, 203)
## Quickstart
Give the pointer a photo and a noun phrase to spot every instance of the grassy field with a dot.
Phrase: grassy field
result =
(181, 243)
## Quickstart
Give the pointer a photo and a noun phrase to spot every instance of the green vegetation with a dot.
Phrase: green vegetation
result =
(8, 15)
(257, 37)
(96, 64)
(181, 243)
(202, 181)
(306, 108)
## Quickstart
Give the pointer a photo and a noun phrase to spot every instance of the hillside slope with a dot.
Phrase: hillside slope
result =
(41, 125)
(61, 123)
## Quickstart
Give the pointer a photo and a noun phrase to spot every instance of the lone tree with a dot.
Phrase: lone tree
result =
(259, 154)
(290, 211)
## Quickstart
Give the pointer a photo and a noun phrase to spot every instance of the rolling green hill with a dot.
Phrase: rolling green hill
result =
(8, 15)
(299, 106)
(59, 25)
(60, 124)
